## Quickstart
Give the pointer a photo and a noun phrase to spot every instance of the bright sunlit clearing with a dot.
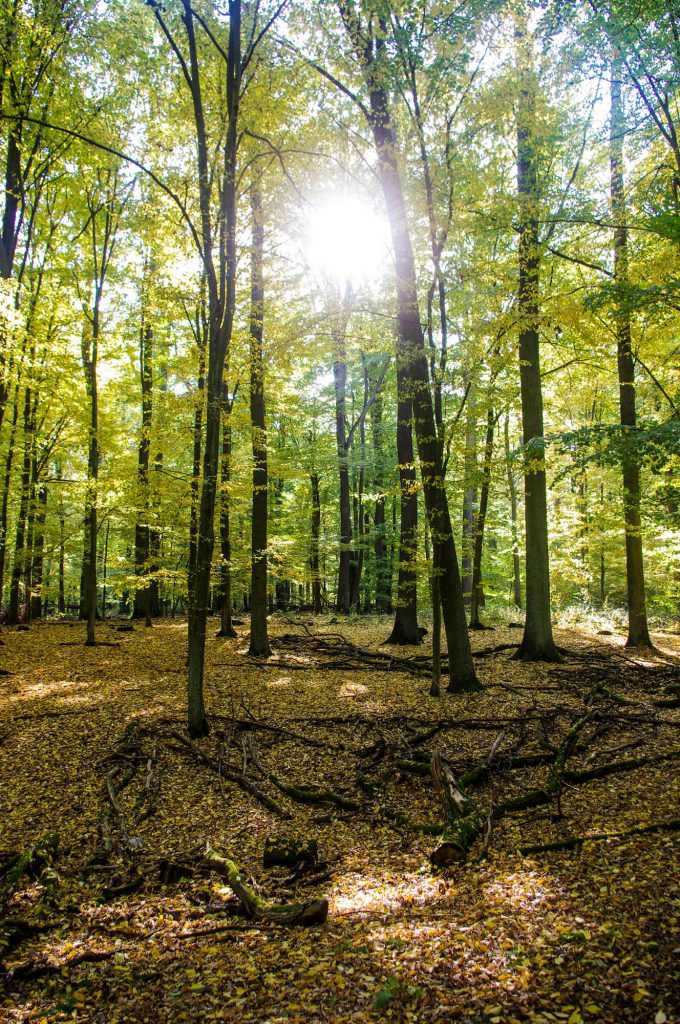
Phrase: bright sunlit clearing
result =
(347, 239)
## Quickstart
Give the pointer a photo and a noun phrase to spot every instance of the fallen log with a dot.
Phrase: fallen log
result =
(255, 907)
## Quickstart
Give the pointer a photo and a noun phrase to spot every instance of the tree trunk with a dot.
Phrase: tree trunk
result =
(480, 523)
(259, 640)
(512, 491)
(638, 629)
(38, 553)
(221, 306)
(314, 547)
(411, 357)
(382, 569)
(469, 495)
(226, 625)
(7, 484)
(537, 642)
(20, 547)
(405, 629)
(141, 608)
(339, 336)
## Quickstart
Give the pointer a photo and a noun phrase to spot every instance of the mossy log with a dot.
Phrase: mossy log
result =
(255, 907)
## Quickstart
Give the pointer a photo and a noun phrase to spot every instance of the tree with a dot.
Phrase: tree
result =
(537, 642)
(370, 52)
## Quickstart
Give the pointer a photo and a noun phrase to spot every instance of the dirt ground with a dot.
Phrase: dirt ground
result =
(122, 920)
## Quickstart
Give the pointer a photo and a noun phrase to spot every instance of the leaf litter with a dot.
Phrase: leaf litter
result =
(119, 837)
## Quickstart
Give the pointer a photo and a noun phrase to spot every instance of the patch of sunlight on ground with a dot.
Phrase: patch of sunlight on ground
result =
(281, 681)
(353, 690)
(362, 892)
(521, 890)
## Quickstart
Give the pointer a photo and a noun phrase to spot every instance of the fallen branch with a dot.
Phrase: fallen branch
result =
(255, 907)
(231, 776)
(574, 841)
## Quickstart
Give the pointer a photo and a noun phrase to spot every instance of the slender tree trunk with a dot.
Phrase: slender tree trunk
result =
(141, 608)
(512, 491)
(314, 547)
(343, 599)
(20, 563)
(469, 495)
(480, 523)
(537, 643)
(38, 552)
(7, 484)
(226, 625)
(259, 640)
(405, 630)
(221, 303)
(90, 549)
(411, 356)
(382, 569)
(360, 529)
(638, 629)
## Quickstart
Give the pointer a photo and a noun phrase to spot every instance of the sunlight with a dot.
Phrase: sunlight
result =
(347, 240)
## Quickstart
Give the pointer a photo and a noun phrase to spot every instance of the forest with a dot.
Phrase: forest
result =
(339, 510)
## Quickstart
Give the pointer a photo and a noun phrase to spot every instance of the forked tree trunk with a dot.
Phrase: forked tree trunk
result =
(537, 642)
(259, 640)
(638, 629)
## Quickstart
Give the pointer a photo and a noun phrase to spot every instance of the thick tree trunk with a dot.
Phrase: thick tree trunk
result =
(537, 643)
(638, 629)
(259, 640)
(195, 483)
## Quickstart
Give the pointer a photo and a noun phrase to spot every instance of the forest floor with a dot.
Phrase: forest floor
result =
(126, 917)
